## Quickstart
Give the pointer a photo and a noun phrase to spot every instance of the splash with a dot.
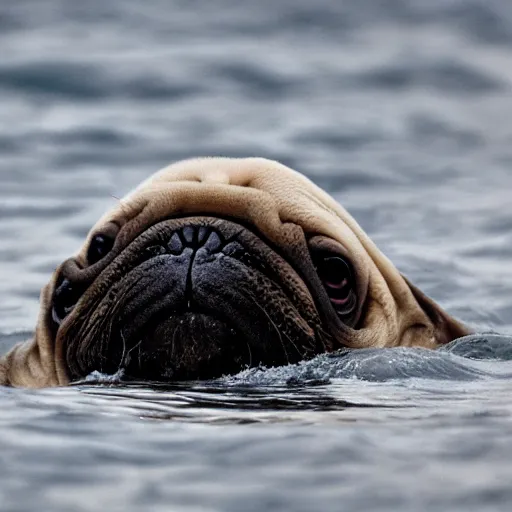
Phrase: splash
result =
(97, 377)
(469, 358)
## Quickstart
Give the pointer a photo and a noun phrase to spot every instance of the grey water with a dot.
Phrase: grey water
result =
(402, 110)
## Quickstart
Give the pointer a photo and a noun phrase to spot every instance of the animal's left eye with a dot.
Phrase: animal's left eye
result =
(99, 247)
(337, 278)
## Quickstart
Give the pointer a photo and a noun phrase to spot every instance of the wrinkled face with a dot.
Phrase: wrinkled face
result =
(201, 296)
(214, 265)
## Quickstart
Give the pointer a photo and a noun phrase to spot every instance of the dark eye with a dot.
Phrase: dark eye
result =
(336, 276)
(100, 246)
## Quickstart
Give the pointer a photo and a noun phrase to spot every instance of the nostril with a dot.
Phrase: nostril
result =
(189, 234)
(65, 297)
(213, 243)
(203, 234)
(175, 244)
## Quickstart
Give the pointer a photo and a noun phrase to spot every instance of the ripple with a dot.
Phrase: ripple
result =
(256, 81)
(380, 365)
(482, 347)
(77, 81)
(447, 77)
(30, 211)
(87, 82)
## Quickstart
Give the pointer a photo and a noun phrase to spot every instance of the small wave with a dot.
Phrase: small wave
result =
(481, 347)
(458, 361)
(88, 82)
(448, 77)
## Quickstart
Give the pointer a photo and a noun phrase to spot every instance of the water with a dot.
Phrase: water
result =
(401, 110)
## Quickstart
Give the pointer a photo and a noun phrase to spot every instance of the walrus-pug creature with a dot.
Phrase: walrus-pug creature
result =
(213, 265)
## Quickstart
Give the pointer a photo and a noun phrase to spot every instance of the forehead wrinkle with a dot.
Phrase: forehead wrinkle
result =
(280, 194)
(280, 190)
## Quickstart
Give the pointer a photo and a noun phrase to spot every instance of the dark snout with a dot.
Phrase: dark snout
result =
(193, 299)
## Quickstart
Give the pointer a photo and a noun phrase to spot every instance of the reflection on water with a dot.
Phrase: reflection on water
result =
(401, 109)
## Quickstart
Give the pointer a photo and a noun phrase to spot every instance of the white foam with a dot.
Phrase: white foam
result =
(104, 378)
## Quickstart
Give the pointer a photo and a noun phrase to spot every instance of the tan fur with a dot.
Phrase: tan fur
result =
(269, 196)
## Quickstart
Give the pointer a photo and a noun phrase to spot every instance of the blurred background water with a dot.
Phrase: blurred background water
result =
(400, 109)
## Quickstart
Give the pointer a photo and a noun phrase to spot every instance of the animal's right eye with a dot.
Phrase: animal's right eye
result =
(99, 247)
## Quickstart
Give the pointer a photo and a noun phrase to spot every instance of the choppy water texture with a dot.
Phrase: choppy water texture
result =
(402, 110)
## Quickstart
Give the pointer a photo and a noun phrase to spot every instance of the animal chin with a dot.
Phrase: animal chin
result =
(192, 298)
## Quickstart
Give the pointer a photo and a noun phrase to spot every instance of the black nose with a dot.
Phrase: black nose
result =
(195, 237)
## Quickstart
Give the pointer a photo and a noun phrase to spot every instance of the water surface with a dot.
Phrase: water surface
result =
(401, 109)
